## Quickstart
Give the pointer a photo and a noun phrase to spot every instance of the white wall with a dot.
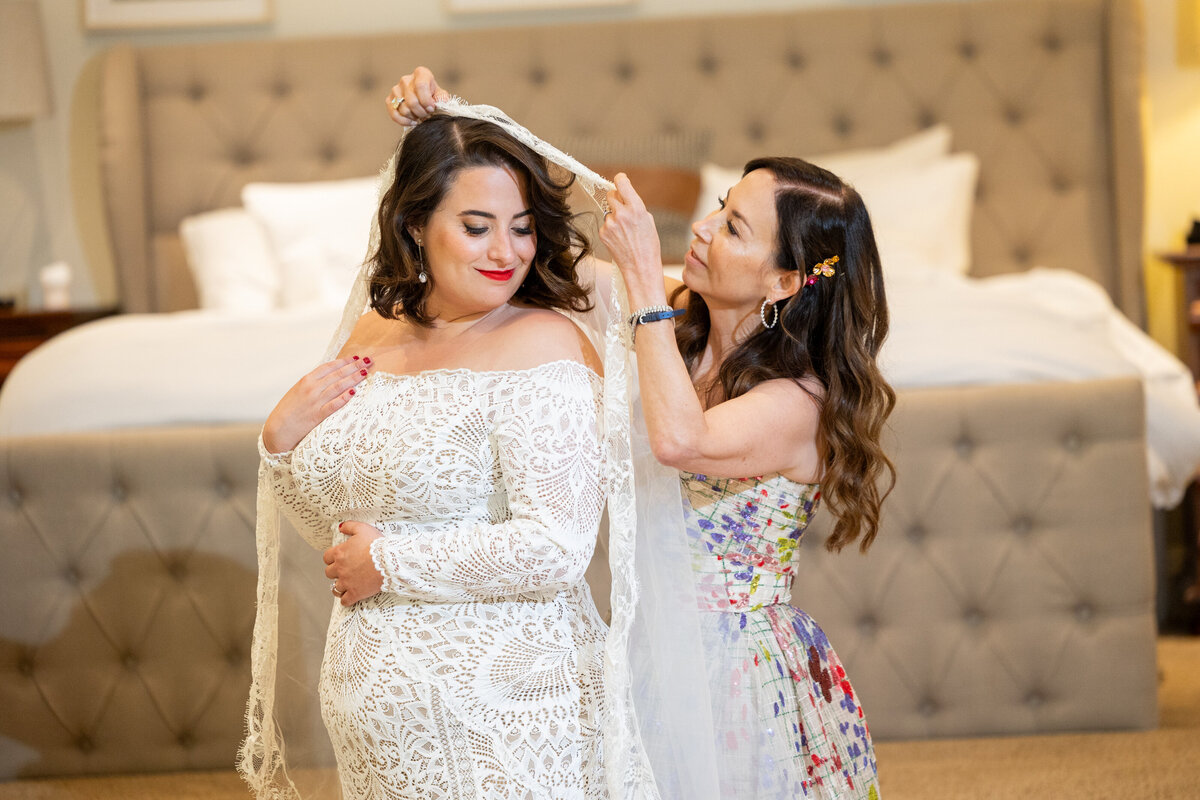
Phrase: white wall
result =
(38, 223)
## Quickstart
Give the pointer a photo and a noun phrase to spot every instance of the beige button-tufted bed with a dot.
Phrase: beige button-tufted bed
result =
(1011, 589)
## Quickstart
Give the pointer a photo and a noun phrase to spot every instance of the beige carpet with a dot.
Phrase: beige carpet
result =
(1150, 765)
(1147, 765)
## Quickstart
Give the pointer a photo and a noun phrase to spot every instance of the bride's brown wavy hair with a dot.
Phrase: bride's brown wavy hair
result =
(427, 163)
(831, 330)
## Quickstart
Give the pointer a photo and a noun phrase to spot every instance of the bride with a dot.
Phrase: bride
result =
(449, 464)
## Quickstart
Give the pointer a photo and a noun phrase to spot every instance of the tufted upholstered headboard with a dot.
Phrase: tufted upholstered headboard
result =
(1045, 92)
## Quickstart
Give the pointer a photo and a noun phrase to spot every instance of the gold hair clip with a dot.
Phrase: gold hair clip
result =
(824, 268)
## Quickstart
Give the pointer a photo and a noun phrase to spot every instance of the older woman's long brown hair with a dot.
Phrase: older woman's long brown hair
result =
(831, 330)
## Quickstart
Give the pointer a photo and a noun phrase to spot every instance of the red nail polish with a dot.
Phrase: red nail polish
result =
(366, 360)
(356, 358)
(351, 391)
(362, 372)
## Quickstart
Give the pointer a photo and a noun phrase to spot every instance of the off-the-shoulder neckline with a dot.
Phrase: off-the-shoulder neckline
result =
(486, 373)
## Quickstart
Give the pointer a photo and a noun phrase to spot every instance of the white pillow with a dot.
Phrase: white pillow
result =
(319, 232)
(922, 216)
(922, 147)
(849, 165)
(231, 260)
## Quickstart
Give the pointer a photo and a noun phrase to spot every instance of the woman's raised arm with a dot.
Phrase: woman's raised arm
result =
(772, 428)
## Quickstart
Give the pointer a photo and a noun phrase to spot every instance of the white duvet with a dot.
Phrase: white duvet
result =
(1042, 325)
(199, 367)
(183, 368)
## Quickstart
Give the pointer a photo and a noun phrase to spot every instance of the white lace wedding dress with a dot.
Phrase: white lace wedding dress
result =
(476, 673)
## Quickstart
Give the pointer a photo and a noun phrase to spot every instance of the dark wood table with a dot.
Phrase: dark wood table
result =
(21, 330)
(1187, 585)
(1188, 262)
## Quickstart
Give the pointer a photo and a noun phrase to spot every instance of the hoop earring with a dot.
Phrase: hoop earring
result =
(762, 312)
(421, 276)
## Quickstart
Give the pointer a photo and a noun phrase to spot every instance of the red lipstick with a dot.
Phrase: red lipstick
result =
(498, 275)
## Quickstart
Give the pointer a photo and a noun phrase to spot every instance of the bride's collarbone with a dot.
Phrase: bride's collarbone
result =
(509, 338)
(417, 356)
(408, 353)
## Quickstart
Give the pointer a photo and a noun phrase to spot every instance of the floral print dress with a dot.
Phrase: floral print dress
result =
(788, 722)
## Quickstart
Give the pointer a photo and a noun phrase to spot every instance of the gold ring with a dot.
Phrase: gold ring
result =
(333, 588)
(397, 102)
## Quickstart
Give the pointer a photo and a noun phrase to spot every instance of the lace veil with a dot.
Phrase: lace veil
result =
(658, 730)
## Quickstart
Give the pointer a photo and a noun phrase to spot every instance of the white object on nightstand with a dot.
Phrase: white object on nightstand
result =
(56, 286)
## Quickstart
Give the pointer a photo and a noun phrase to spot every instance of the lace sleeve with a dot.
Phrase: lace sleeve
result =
(276, 470)
(551, 462)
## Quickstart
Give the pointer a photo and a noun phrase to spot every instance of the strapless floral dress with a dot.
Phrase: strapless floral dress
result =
(788, 722)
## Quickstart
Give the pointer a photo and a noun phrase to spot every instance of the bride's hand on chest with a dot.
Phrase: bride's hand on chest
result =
(313, 398)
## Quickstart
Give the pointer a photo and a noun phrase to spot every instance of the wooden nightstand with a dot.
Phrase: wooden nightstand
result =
(1188, 261)
(1185, 588)
(21, 330)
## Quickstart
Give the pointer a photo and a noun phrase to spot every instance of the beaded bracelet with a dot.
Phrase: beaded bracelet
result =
(652, 314)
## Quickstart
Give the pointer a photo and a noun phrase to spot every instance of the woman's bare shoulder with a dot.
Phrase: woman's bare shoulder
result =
(371, 330)
(803, 397)
(806, 387)
(530, 337)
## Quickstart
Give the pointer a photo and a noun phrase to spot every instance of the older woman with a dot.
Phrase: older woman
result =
(766, 396)
(449, 465)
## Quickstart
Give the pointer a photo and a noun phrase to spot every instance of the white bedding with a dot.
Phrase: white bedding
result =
(1042, 325)
(182, 368)
(200, 367)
